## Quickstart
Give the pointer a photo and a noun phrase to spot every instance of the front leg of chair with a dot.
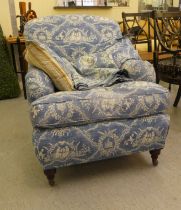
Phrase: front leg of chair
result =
(50, 174)
(157, 76)
(149, 46)
(177, 97)
(157, 80)
(154, 155)
(170, 87)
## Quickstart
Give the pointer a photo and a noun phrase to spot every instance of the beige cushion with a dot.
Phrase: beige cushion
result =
(40, 58)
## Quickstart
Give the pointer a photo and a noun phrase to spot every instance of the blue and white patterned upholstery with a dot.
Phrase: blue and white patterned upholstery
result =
(38, 84)
(73, 127)
(72, 36)
(96, 141)
(94, 47)
(121, 101)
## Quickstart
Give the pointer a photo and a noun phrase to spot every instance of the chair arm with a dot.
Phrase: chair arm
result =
(140, 70)
(38, 84)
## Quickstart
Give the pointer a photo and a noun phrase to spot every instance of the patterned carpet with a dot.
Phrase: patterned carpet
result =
(126, 183)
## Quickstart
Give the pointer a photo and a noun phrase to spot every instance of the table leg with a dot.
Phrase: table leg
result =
(22, 66)
(177, 97)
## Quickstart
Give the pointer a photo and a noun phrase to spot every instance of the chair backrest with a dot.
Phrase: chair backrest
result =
(167, 29)
(72, 36)
(173, 9)
(137, 26)
(149, 7)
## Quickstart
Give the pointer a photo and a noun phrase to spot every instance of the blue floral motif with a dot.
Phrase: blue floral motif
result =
(121, 101)
(38, 84)
(91, 49)
(60, 147)
(73, 127)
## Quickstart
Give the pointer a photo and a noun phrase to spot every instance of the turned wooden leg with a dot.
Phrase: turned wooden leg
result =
(154, 155)
(50, 174)
(157, 79)
(170, 87)
(177, 97)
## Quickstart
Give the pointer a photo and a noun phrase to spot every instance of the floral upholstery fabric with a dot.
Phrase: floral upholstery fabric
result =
(72, 36)
(38, 84)
(73, 127)
(90, 49)
(121, 101)
(80, 144)
(142, 71)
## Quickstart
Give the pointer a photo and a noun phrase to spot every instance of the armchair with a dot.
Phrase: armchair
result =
(113, 117)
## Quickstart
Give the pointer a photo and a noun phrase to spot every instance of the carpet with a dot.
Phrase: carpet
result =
(125, 183)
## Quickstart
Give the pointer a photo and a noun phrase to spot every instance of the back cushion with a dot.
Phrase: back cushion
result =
(55, 68)
(72, 36)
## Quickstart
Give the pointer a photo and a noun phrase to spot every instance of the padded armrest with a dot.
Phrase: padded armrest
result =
(140, 70)
(38, 84)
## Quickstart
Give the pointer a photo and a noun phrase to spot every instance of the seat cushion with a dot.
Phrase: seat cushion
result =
(121, 101)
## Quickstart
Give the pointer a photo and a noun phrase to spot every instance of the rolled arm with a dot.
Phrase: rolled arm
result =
(140, 70)
(38, 84)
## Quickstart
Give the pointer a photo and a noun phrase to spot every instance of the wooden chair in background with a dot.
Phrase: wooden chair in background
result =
(167, 41)
(139, 28)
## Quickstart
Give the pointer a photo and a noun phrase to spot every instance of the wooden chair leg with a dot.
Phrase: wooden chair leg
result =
(177, 97)
(157, 81)
(50, 174)
(169, 87)
(154, 155)
(157, 78)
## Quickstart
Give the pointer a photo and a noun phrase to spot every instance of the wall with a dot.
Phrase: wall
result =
(45, 7)
(175, 3)
(5, 17)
